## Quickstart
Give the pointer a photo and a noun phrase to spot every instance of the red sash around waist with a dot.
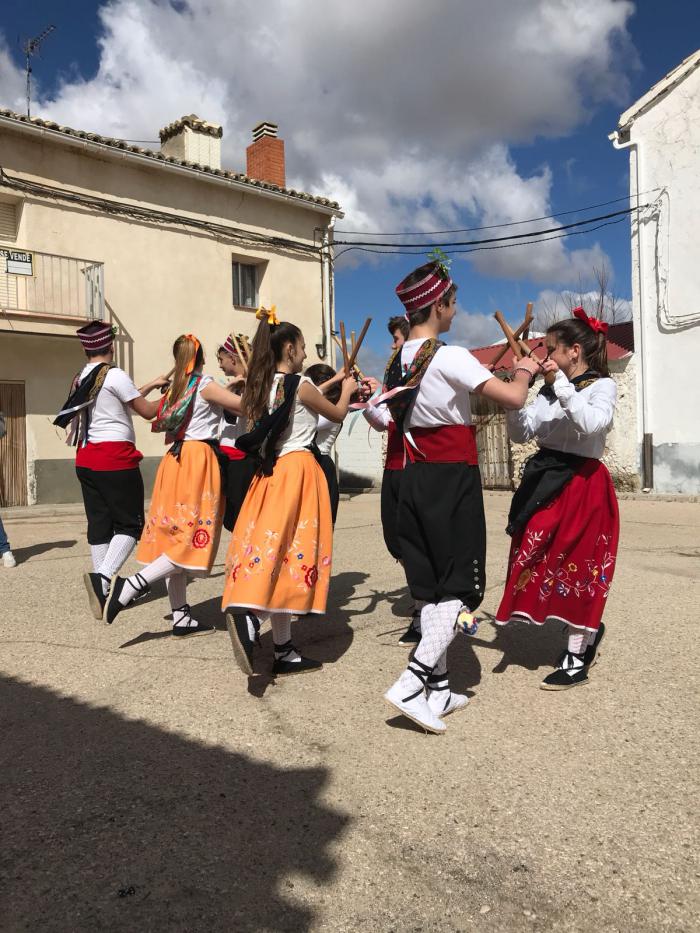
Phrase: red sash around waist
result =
(108, 455)
(232, 453)
(444, 443)
(394, 449)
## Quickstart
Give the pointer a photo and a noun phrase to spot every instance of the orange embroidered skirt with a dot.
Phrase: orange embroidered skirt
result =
(184, 520)
(279, 557)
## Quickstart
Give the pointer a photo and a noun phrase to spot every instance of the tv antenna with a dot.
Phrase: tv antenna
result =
(31, 47)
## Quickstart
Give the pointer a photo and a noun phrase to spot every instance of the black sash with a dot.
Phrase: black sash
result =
(545, 475)
(260, 442)
(394, 376)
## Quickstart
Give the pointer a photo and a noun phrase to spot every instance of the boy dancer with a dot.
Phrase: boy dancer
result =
(98, 409)
(441, 526)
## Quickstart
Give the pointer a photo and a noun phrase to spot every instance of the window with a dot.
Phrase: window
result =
(245, 285)
(9, 218)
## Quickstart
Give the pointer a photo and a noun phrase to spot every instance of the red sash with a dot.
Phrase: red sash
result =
(232, 453)
(108, 455)
(394, 449)
(444, 443)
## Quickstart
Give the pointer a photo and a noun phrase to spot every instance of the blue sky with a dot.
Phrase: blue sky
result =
(483, 152)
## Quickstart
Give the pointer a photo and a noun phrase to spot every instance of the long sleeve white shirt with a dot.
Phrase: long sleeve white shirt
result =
(575, 422)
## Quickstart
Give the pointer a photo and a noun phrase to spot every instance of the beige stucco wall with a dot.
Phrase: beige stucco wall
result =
(160, 280)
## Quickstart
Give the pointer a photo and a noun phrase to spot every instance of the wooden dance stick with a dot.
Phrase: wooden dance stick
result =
(521, 331)
(340, 347)
(526, 323)
(352, 341)
(168, 376)
(355, 349)
(241, 354)
(344, 348)
(510, 337)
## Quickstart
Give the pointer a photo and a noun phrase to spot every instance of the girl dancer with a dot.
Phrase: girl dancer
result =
(182, 529)
(238, 468)
(325, 378)
(441, 526)
(279, 558)
(564, 517)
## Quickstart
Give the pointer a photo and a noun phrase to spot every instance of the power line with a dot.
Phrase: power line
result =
(513, 236)
(511, 223)
(476, 249)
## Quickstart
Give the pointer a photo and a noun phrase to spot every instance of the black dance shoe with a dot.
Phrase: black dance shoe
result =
(571, 672)
(96, 594)
(241, 642)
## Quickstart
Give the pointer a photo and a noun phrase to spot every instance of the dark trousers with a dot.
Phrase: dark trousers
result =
(113, 503)
(391, 486)
(238, 475)
(327, 464)
(442, 532)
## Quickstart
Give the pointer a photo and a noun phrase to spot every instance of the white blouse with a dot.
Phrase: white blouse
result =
(575, 423)
(206, 417)
(303, 423)
(327, 433)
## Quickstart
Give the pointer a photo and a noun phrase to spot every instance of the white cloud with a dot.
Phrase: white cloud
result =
(404, 115)
(551, 306)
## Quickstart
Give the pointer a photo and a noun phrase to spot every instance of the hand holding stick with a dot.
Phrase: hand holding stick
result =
(169, 375)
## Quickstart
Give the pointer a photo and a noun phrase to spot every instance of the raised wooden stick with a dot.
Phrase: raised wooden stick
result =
(521, 331)
(241, 354)
(352, 341)
(528, 318)
(340, 347)
(512, 341)
(344, 348)
(168, 376)
(356, 348)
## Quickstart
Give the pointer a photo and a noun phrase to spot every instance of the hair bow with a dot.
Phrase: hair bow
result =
(270, 313)
(600, 327)
(189, 369)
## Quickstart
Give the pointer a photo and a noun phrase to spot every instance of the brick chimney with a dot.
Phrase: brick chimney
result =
(265, 157)
(193, 140)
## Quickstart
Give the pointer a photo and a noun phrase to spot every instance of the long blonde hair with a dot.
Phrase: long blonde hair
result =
(188, 356)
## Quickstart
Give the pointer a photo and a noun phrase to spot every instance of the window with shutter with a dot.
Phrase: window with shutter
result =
(8, 221)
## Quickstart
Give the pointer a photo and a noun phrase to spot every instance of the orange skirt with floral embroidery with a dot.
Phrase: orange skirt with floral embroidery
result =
(279, 557)
(184, 520)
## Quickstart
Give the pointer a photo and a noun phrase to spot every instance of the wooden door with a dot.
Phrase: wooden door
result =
(13, 447)
(492, 444)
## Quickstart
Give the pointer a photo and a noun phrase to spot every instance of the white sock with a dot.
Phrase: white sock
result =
(158, 569)
(182, 617)
(281, 623)
(97, 552)
(120, 547)
(578, 641)
(176, 584)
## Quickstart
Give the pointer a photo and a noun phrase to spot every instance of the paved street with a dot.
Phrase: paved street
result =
(148, 785)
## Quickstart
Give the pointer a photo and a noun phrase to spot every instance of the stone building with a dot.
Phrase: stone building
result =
(159, 242)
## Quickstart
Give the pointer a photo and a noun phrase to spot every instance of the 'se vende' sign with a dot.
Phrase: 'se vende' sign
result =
(18, 262)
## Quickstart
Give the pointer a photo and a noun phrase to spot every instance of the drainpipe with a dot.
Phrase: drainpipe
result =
(647, 436)
(326, 352)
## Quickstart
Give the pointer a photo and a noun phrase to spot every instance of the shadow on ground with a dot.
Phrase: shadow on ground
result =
(112, 824)
(24, 554)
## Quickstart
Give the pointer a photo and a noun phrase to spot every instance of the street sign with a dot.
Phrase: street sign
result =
(18, 262)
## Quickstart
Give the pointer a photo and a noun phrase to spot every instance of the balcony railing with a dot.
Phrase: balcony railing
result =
(59, 286)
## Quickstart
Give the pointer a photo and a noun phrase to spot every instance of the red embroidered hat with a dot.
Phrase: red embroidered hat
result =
(229, 345)
(423, 293)
(96, 335)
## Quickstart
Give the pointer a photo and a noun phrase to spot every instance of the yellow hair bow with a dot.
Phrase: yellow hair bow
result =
(270, 313)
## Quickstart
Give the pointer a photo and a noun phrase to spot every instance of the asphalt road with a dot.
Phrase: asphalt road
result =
(148, 785)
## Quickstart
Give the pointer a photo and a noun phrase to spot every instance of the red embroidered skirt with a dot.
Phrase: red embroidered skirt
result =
(561, 565)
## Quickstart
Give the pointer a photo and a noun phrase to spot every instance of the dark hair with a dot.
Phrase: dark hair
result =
(183, 348)
(398, 323)
(422, 315)
(91, 354)
(320, 373)
(593, 344)
(268, 343)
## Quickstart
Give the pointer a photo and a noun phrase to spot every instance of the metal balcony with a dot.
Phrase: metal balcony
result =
(50, 287)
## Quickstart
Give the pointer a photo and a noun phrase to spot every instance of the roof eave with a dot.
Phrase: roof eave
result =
(658, 90)
(115, 154)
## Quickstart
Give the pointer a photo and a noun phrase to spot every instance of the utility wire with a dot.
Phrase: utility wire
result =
(476, 249)
(514, 236)
(511, 223)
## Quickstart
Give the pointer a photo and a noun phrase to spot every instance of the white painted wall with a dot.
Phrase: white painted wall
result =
(359, 449)
(665, 154)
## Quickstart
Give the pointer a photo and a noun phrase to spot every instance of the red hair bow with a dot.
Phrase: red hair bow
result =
(600, 327)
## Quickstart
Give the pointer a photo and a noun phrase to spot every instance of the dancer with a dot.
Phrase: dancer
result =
(327, 432)
(181, 534)
(380, 419)
(98, 415)
(564, 517)
(441, 526)
(238, 468)
(279, 559)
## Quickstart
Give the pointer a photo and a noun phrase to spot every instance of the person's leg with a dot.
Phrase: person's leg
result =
(99, 535)
(124, 591)
(4, 543)
(287, 658)
(572, 668)
(123, 492)
(183, 623)
(441, 699)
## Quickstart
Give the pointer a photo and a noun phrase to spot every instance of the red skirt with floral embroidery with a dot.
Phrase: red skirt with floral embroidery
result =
(562, 564)
(279, 556)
